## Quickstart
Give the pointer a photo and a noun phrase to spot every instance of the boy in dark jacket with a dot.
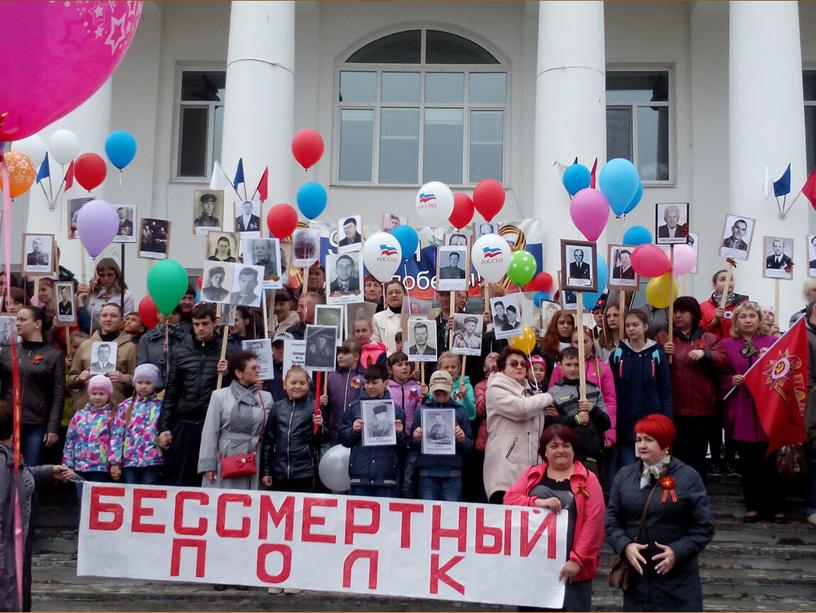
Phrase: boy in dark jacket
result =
(440, 474)
(373, 470)
(343, 387)
(588, 418)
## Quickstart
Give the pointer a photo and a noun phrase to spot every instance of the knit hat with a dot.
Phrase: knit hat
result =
(100, 383)
(537, 359)
(146, 372)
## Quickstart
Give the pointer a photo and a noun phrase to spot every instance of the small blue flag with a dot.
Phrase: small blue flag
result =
(782, 184)
(45, 170)
(239, 174)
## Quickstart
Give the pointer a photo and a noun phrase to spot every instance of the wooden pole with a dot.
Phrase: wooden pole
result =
(729, 273)
(36, 290)
(265, 313)
(671, 298)
(487, 298)
(581, 352)
(224, 336)
(422, 372)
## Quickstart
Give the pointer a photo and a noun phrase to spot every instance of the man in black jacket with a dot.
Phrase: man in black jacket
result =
(151, 346)
(193, 378)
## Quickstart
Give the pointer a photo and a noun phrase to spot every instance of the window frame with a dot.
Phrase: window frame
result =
(178, 104)
(423, 69)
(808, 67)
(633, 107)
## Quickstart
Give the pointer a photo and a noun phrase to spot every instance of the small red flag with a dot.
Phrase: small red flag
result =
(809, 188)
(592, 173)
(263, 185)
(69, 177)
(778, 381)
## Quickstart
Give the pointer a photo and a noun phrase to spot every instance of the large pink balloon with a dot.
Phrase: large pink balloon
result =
(57, 54)
(685, 259)
(589, 210)
(650, 261)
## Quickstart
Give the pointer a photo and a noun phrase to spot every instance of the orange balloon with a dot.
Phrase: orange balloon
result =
(21, 173)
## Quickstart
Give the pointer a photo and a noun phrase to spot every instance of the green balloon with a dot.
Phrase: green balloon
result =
(522, 268)
(166, 283)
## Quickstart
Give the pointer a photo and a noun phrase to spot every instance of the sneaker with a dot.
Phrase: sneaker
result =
(812, 518)
(220, 587)
(732, 472)
(291, 591)
(275, 590)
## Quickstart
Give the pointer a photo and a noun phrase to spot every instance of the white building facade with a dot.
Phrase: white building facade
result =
(702, 96)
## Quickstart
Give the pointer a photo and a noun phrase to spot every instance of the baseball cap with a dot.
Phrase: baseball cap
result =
(441, 380)
(281, 337)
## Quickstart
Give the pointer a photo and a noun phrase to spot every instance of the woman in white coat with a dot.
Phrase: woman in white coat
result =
(388, 322)
(234, 424)
(515, 420)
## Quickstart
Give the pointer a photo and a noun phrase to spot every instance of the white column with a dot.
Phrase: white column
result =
(259, 105)
(767, 128)
(570, 114)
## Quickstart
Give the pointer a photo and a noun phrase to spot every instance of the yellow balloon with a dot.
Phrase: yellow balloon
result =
(661, 291)
(525, 341)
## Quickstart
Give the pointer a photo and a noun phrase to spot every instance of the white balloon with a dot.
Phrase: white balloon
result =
(382, 255)
(34, 147)
(434, 203)
(333, 469)
(64, 146)
(491, 257)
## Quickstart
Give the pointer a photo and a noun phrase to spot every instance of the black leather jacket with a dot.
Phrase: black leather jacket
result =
(290, 443)
(151, 348)
(42, 383)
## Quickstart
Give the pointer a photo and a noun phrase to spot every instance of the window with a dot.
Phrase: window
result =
(419, 106)
(638, 119)
(809, 86)
(200, 122)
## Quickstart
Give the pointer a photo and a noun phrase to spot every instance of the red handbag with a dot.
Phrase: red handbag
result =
(242, 464)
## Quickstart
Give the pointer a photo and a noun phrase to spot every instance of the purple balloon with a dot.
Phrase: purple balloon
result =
(589, 210)
(97, 224)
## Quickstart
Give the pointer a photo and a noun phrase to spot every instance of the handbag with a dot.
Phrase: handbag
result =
(791, 463)
(242, 464)
(620, 572)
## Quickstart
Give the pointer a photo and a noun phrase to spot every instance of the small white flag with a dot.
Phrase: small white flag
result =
(218, 180)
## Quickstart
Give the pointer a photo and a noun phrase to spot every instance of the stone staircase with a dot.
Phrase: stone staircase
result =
(759, 567)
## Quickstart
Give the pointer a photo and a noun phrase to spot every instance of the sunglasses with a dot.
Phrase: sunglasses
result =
(517, 363)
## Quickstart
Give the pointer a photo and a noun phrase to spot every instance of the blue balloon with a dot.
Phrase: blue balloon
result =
(408, 240)
(637, 235)
(619, 182)
(120, 147)
(311, 199)
(591, 298)
(635, 200)
(576, 178)
(540, 297)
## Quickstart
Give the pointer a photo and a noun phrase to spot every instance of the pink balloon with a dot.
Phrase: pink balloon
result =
(650, 261)
(685, 259)
(589, 210)
(59, 54)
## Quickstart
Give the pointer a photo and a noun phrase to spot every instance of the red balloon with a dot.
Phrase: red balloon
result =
(199, 281)
(282, 220)
(650, 261)
(542, 282)
(462, 210)
(307, 147)
(488, 198)
(90, 170)
(148, 312)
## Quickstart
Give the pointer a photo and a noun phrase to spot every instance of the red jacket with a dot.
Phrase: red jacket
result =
(722, 328)
(589, 504)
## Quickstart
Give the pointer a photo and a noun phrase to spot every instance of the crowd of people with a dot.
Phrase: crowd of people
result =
(629, 460)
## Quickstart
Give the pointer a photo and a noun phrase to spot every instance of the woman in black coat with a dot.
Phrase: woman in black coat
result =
(678, 525)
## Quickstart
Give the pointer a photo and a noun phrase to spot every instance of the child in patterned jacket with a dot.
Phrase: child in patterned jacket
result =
(136, 454)
(88, 442)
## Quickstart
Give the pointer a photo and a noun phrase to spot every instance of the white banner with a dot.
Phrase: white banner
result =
(379, 546)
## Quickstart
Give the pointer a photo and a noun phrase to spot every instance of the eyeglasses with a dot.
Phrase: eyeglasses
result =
(517, 363)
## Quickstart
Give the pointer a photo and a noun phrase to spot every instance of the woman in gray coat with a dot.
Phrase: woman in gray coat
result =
(234, 423)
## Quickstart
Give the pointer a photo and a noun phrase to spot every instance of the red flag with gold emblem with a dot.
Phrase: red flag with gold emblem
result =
(778, 383)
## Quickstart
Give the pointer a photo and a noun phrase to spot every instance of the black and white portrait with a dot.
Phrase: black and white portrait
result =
(248, 218)
(349, 233)
(421, 345)
(578, 263)
(127, 223)
(621, 272)
(457, 239)
(438, 431)
(247, 285)
(264, 252)
(305, 247)
(154, 238)
(38, 254)
(546, 311)
(467, 334)
(222, 246)
(216, 282)
(73, 211)
(567, 297)
(103, 357)
(811, 245)
(778, 262)
(331, 315)
(485, 227)
(66, 309)
(506, 311)
(344, 274)
(378, 422)
(391, 221)
(321, 342)
(451, 274)
(262, 348)
(8, 330)
(736, 237)
(417, 307)
(671, 223)
(208, 210)
(356, 312)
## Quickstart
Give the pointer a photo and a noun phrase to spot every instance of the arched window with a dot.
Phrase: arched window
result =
(421, 105)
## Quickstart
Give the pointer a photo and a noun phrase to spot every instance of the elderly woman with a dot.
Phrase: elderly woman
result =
(676, 527)
(562, 484)
(515, 419)
(234, 425)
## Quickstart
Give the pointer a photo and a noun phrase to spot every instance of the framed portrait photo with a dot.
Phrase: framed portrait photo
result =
(391, 221)
(74, 204)
(378, 417)
(621, 272)
(38, 255)
(8, 330)
(457, 239)
(452, 266)
(438, 431)
(349, 234)
(321, 343)
(222, 246)
(126, 233)
(344, 278)
(738, 231)
(208, 210)
(262, 348)
(485, 227)
(546, 312)
(216, 284)
(467, 334)
(305, 247)
(247, 285)
(811, 252)
(777, 262)
(568, 298)
(421, 344)
(357, 313)
(264, 252)
(671, 223)
(154, 238)
(506, 311)
(331, 315)
(248, 218)
(103, 357)
(578, 272)
(66, 307)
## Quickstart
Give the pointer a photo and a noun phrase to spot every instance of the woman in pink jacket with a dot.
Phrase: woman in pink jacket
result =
(562, 484)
